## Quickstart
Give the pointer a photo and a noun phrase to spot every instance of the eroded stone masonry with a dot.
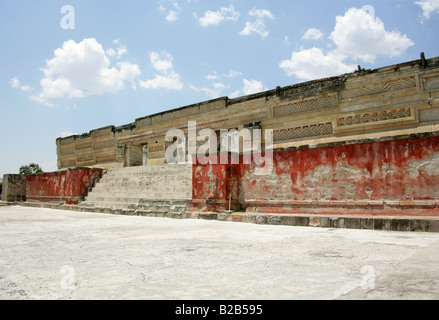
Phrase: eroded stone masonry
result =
(366, 142)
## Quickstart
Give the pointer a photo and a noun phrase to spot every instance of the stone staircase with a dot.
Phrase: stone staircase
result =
(143, 190)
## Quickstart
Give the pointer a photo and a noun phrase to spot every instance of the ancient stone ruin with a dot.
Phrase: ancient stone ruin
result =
(359, 144)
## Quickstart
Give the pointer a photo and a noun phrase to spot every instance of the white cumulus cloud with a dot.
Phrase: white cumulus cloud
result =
(168, 78)
(119, 52)
(257, 23)
(429, 7)
(313, 63)
(233, 74)
(362, 36)
(357, 35)
(15, 84)
(161, 62)
(313, 34)
(216, 17)
(214, 91)
(81, 69)
(253, 86)
(171, 14)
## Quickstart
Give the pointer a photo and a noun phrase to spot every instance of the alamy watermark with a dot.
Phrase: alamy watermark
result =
(68, 280)
(186, 147)
(68, 20)
(368, 21)
(368, 280)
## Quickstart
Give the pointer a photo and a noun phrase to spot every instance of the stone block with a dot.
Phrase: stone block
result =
(323, 202)
(391, 203)
(376, 202)
(425, 203)
(367, 223)
(419, 225)
(325, 222)
(286, 221)
(400, 225)
(434, 225)
(342, 223)
(208, 216)
(260, 219)
(14, 187)
(128, 212)
(387, 224)
(378, 224)
(301, 221)
(314, 222)
(353, 223)
(274, 220)
(407, 203)
(194, 215)
(361, 203)
(250, 218)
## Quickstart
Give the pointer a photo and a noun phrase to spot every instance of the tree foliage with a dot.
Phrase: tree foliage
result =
(30, 169)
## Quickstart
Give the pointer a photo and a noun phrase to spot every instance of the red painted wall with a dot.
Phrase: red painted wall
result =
(401, 172)
(69, 186)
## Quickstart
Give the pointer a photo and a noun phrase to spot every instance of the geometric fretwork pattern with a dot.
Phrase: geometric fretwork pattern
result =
(315, 130)
(105, 158)
(305, 106)
(379, 87)
(374, 117)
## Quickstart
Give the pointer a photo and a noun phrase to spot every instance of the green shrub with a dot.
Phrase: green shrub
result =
(30, 169)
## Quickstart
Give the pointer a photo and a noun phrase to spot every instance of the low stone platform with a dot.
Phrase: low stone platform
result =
(367, 222)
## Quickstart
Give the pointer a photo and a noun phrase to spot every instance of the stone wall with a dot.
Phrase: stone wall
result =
(68, 186)
(14, 187)
(96, 147)
(385, 102)
(399, 173)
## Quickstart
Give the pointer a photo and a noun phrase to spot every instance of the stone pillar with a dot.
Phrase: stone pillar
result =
(120, 155)
(14, 187)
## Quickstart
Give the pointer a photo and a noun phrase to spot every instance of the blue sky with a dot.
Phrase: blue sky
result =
(69, 70)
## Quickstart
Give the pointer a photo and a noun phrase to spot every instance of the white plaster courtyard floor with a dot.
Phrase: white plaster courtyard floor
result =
(55, 254)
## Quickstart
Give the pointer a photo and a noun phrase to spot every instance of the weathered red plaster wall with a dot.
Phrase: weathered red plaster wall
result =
(68, 186)
(209, 186)
(397, 173)
(391, 170)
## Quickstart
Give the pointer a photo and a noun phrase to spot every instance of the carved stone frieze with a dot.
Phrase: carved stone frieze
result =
(314, 130)
(305, 106)
(374, 117)
(379, 88)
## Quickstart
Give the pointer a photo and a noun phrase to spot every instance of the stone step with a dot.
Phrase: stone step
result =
(143, 195)
(136, 199)
(129, 188)
(185, 174)
(145, 206)
(149, 173)
(150, 194)
(149, 188)
(109, 205)
(161, 169)
(151, 183)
